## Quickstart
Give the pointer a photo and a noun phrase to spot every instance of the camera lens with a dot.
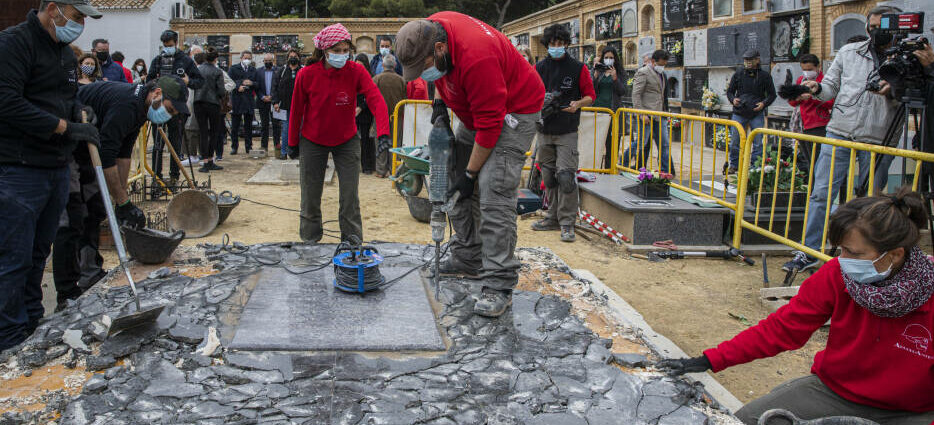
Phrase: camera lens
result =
(180, 71)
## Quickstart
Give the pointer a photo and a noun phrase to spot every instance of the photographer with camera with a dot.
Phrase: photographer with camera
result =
(859, 115)
(172, 62)
(557, 135)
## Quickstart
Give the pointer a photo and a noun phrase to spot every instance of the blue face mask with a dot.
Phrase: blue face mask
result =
(383, 51)
(556, 52)
(863, 271)
(169, 50)
(338, 61)
(70, 32)
(432, 74)
(158, 116)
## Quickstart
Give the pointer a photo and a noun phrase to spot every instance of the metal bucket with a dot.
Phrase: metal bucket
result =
(226, 202)
(420, 208)
(150, 246)
(193, 212)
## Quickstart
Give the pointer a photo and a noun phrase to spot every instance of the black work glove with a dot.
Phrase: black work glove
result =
(383, 143)
(83, 133)
(130, 215)
(293, 152)
(682, 366)
(463, 184)
(88, 111)
(438, 110)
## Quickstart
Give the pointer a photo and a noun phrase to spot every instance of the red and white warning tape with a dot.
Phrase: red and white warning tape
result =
(608, 231)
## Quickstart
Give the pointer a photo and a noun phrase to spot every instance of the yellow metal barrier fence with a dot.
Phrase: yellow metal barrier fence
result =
(784, 171)
(693, 163)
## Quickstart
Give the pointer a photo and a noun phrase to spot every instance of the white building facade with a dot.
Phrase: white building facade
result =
(133, 26)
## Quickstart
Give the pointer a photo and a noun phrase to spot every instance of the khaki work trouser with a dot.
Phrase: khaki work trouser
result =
(558, 153)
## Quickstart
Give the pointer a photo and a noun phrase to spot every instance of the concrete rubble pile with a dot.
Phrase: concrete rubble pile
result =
(538, 364)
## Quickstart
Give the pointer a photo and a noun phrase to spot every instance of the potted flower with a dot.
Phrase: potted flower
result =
(789, 186)
(710, 100)
(652, 186)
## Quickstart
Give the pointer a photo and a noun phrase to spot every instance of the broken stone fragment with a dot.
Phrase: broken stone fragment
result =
(168, 388)
(100, 362)
(72, 337)
(630, 360)
(160, 273)
(210, 344)
(96, 384)
(187, 332)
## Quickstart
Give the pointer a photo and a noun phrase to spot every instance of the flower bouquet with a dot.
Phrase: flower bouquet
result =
(764, 170)
(710, 100)
(800, 42)
(652, 186)
(677, 47)
(629, 81)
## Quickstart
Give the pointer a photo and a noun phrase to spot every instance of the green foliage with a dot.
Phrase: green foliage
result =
(764, 169)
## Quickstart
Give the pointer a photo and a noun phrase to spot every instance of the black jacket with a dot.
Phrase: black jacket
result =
(121, 111)
(213, 89)
(751, 87)
(179, 61)
(38, 82)
(283, 85)
(243, 102)
(561, 76)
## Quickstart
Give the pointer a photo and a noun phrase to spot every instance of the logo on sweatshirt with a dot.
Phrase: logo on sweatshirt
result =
(917, 340)
(342, 99)
(567, 83)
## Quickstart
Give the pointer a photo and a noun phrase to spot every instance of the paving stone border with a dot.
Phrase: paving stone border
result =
(538, 364)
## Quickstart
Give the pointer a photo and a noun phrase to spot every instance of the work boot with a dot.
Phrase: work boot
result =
(492, 302)
(545, 224)
(449, 269)
(567, 233)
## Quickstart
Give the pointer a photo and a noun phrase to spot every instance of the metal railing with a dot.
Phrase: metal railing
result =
(692, 154)
(792, 163)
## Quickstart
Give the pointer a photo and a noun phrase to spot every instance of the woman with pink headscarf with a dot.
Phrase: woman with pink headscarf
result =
(324, 104)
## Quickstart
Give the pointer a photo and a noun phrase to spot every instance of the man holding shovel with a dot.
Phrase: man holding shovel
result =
(122, 110)
(39, 127)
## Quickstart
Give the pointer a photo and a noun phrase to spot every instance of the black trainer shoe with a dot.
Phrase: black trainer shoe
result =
(233, 151)
(213, 166)
(492, 302)
(205, 168)
(545, 225)
(567, 234)
(801, 262)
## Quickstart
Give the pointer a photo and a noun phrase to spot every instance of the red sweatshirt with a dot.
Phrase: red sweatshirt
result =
(489, 79)
(886, 363)
(324, 103)
(814, 113)
(416, 89)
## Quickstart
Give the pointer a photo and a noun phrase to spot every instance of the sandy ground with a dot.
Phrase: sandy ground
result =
(689, 301)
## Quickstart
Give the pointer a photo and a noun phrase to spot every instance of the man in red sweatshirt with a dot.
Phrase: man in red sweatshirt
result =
(879, 359)
(498, 97)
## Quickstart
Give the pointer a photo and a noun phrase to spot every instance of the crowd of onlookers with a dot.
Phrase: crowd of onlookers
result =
(225, 107)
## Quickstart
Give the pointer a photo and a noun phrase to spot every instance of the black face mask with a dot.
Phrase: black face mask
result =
(268, 65)
(879, 38)
(103, 56)
(293, 61)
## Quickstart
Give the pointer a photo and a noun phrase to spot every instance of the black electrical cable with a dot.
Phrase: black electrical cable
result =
(347, 276)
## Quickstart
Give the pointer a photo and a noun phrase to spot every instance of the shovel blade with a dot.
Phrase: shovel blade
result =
(132, 320)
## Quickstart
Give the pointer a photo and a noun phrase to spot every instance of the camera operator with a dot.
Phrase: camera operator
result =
(859, 115)
(172, 62)
(557, 150)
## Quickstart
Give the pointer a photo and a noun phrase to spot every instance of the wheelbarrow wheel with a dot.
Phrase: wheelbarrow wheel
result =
(408, 183)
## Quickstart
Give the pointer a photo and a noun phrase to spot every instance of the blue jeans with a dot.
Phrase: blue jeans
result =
(753, 123)
(817, 203)
(658, 131)
(31, 203)
(284, 147)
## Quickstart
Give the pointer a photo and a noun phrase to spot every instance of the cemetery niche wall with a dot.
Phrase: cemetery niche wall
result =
(790, 37)
(695, 79)
(695, 48)
(673, 43)
(725, 45)
(677, 14)
(630, 20)
(609, 25)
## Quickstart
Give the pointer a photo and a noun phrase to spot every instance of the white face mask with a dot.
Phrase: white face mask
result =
(809, 75)
(139, 68)
(245, 62)
(659, 68)
(608, 61)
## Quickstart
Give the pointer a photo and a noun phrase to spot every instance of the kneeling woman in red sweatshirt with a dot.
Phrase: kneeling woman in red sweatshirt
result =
(324, 103)
(879, 360)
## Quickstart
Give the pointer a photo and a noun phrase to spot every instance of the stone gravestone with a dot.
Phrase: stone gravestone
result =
(630, 23)
(646, 47)
(694, 81)
(673, 43)
(780, 72)
(717, 80)
(725, 45)
(672, 14)
(695, 13)
(789, 37)
(695, 48)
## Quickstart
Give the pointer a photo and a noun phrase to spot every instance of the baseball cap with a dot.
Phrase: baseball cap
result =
(174, 89)
(415, 41)
(751, 54)
(83, 6)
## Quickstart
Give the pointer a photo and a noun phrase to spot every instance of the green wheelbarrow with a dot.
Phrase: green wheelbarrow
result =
(411, 174)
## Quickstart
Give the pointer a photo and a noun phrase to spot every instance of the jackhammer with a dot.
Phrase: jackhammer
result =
(440, 143)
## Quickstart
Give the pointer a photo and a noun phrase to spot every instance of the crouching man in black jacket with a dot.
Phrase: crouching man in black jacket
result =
(122, 109)
(39, 127)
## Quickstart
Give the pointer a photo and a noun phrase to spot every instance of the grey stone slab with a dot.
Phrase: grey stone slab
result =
(305, 312)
